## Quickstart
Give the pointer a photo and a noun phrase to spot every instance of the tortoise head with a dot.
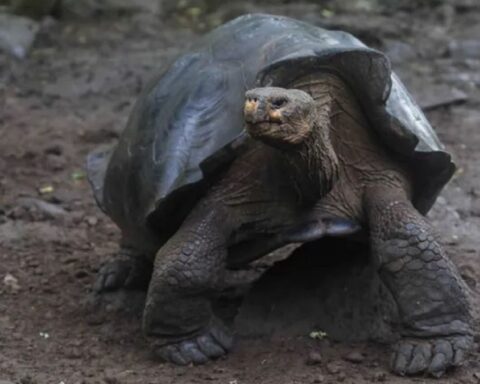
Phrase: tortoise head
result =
(279, 117)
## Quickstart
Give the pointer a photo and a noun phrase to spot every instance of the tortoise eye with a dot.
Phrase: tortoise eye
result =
(278, 103)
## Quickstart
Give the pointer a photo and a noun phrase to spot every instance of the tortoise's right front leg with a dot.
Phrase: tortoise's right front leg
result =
(178, 318)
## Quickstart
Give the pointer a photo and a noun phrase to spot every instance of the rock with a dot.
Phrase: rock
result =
(55, 162)
(12, 233)
(319, 379)
(11, 282)
(45, 209)
(91, 220)
(465, 49)
(333, 368)
(17, 35)
(354, 357)
(314, 358)
(379, 377)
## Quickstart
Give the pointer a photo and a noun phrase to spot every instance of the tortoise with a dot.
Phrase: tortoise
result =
(274, 131)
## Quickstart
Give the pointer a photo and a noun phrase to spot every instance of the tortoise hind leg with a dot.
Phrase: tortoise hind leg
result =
(188, 270)
(131, 268)
(431, 296)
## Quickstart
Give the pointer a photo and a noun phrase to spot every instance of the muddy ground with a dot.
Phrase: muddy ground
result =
(75, 91)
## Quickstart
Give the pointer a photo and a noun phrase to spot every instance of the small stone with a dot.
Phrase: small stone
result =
(46, 210)
(91, 220)
(55, 162)
(77, 217)
(379, 376)
(341, 377)
(354, 357)
(333, 368)
(314, 358)
(11, 282)
(319, 379)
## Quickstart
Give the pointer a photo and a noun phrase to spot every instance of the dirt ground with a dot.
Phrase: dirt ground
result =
(75, 91)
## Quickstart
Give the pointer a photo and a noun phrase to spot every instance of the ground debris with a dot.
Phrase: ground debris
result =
(354, 357)
(37, 209)
(11, 282)
(314, 358)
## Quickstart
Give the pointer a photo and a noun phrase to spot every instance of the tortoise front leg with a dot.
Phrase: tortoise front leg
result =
(129, 269)
(188, 269)
(431, 296)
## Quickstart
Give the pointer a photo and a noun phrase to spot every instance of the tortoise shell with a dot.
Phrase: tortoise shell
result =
(189, 122)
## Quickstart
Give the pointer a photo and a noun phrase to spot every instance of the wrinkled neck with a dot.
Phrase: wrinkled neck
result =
(313, 166)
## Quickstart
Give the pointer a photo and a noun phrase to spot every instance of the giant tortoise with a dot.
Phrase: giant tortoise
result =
(273, 131)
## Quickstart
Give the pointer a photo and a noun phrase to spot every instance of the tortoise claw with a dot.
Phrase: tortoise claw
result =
(430, 356)
(130, 273)
(215, 342)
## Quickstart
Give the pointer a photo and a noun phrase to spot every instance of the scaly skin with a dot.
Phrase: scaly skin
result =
(333, 165)
(375, 189)
(436, 321)
(178, 316)
(190, 268)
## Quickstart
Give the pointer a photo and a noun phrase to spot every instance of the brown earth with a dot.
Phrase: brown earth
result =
(75, 92)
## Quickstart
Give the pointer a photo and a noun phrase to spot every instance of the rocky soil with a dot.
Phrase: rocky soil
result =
(74, 91)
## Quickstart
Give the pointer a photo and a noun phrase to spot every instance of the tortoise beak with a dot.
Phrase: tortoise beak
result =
(251, 110)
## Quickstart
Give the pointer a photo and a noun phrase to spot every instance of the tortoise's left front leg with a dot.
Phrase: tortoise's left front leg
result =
(188, 270)
(431, 296)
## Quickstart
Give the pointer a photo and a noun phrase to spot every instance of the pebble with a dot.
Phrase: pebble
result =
(48, 210)
(91, 220)
(319, 379)
(11, 282)
(354, 357)
(55, 162)
(333, 368)
(379, 376)
(314, 358)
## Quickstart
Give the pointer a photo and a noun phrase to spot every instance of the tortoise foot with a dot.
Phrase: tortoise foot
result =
(125, 272)
(213, 343)
(430, 356)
